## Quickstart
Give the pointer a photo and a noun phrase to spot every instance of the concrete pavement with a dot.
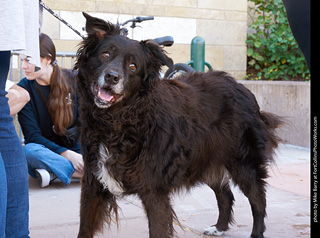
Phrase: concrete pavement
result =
(54, 211)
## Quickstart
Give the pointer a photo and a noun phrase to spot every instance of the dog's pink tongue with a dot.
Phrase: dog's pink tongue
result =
(105, 95)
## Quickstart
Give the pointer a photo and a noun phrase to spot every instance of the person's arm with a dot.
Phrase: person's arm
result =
(75, 158)
(32, 134)
(28, 120)
(18, 98)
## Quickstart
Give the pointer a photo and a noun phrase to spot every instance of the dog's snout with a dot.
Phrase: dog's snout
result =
(112, 76)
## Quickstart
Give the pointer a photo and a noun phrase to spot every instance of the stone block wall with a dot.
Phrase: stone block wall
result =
(222, 24)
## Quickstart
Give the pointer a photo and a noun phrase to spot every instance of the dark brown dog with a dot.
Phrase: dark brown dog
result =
(151, 137)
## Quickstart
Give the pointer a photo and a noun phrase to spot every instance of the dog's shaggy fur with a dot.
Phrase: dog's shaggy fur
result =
(151, 137)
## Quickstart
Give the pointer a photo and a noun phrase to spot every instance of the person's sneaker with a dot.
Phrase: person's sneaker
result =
(44, 177)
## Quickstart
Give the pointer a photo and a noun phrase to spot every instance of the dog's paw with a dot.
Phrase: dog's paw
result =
(212, 231)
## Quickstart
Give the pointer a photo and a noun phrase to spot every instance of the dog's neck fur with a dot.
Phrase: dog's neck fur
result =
(103, 174)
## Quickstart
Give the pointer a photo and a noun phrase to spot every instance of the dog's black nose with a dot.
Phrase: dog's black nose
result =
(112, 76)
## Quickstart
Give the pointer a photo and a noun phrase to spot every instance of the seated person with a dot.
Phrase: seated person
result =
(49, 121)
(18, 97)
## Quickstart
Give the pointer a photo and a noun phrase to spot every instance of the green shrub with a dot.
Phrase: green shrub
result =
(272, 49)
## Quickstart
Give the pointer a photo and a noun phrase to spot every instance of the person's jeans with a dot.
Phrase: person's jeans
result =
(40, 157)
(14, 194)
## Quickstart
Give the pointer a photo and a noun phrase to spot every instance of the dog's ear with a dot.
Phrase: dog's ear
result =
(157, 53)
(98, 26)
(155, 57)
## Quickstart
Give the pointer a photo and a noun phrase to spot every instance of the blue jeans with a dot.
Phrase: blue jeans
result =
(40, 157)
(14, 194)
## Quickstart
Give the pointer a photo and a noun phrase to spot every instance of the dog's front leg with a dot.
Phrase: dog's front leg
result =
(160, 214)
(96, 208)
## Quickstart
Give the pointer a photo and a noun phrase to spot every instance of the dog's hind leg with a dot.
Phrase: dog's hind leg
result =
(160, 214)
(97, 206)
(225, 201)
(251, 183)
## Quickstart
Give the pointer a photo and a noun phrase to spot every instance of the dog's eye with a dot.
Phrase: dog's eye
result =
(133, 67)
(106, 55)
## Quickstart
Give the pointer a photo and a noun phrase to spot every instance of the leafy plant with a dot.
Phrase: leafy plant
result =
(272, 49)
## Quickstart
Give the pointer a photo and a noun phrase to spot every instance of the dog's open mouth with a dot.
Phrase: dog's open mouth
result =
(105, 97)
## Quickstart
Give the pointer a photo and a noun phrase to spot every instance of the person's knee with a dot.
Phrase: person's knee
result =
(32, 149)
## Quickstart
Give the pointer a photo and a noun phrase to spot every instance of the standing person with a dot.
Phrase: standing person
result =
(16, 16)
(49, 120)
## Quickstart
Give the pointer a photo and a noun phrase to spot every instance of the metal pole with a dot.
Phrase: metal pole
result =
(60, 19)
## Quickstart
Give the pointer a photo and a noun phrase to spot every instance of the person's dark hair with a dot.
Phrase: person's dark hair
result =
(60, 109)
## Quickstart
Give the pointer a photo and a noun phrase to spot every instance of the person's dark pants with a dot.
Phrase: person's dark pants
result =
(298, 13)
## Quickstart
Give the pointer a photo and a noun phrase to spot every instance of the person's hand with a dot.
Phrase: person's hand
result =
(75, 158)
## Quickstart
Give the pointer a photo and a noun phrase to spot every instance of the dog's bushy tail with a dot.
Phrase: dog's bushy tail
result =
(272, 122)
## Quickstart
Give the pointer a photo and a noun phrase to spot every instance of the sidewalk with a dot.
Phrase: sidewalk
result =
(54, 211)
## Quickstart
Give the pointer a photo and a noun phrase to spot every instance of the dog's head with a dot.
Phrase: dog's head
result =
(113, 67)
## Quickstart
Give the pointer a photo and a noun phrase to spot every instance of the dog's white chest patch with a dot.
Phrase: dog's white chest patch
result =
(103, 175)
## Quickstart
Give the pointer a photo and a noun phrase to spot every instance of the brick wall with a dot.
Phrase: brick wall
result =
(222, 24)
